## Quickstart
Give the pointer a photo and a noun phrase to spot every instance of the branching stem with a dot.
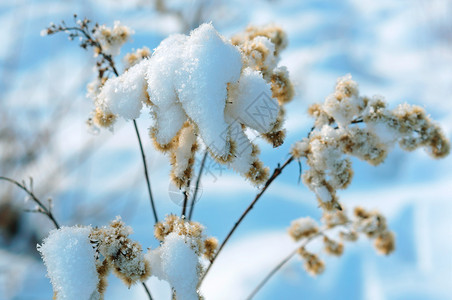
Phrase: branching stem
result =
(42, 208)
(274, 175)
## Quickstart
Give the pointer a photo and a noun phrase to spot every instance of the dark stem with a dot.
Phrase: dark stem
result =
(148, 292)
(184, 205)
(198, 180)
(111, 63)
(146, 174)
(42, 209)
(275, 174)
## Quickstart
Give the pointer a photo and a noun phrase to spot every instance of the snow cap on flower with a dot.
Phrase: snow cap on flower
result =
(201, 80)
(303, 228)
(71, 263)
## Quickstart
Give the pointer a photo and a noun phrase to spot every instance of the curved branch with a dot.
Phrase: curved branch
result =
(274, 175)
(42, 208)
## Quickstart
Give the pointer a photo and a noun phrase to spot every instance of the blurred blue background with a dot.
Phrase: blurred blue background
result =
(400, 49)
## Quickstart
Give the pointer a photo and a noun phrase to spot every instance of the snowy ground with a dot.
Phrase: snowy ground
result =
(399, 49)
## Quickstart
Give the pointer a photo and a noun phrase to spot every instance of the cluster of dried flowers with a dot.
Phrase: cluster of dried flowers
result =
(203, 87)
(350, 124)
(82, 257)
(178, 259)
(198, 87)
(369, 223)
(204, 90)
(118, 253)
(106, 43)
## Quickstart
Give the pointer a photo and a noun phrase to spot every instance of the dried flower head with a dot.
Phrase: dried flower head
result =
(112, 39)
(193, 231)
(303, 228)
(385, 243)
(201, 87)
(370, 223)
(123, 256)
(350, 124)
(312, 262)
(332, 247)
(334, 218)
(133, 58)
(178, 259)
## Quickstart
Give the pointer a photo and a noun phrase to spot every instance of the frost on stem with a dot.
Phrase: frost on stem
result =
(372, 224)
(177, 260)
(350, 124)
(202, 85)
(78, 259)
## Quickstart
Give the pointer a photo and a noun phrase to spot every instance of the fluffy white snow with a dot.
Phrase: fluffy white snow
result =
(176, 262)
(70, 261)
(125, 95)
(194, 71)
(251, 90)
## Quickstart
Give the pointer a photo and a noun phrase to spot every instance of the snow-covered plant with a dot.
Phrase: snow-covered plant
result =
(78, 259)
(348, 124)
(178, 259)
(202, 85)
(207, 92)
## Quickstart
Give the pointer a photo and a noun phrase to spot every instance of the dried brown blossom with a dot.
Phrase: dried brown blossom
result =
(385, 243)
(312, 262)
(332, 247)
(303, 228)
(123, 255)
(350, 124)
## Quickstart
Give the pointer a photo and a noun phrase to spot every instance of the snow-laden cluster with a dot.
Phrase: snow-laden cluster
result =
(112, 39)
(350, 124)
(202, 87)
(132, 58)
(371, 224)
(177, 260)
(71, 263)
(303, 228)
(78, 259)
(119, 253)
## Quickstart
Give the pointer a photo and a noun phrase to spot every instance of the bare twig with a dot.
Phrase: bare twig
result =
(148, 292)
(289, 257)
(89, 41)
(184, 204)
(198, 180)
(146, 173)
(274, 175)
(42, 208)
(92, 42)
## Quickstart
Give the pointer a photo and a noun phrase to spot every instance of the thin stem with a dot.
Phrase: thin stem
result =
(184, 205)
(148, 292)
(198, 180)
(146, 174)
(275, 174)
(42, 209)
(288, 257)
(272, 272)
(95, 43)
